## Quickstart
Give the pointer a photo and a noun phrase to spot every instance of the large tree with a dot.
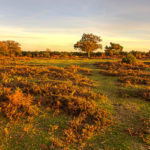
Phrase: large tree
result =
(3, 49)
(113, 49)
(88, 43)
(14, 48)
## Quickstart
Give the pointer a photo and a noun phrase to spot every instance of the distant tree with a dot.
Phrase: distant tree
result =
(29, 54)
(137, 54)
(48, 49)
(88, 43)
(3, 49)
(148, 53)
(113, 49)
(14, 48)
(46, 54)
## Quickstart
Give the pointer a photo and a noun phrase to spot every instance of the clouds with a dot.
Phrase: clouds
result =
(121, 21)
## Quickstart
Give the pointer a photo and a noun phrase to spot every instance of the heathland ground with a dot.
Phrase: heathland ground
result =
(74, 104)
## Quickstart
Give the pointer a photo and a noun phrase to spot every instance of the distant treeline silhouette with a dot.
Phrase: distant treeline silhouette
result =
(56, 54)
(87, 45)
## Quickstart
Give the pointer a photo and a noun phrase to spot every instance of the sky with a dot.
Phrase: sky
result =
(59, 24)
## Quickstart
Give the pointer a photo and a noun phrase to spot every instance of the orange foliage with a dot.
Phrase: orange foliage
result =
(129, 74)
(60, 89)
(15, 104)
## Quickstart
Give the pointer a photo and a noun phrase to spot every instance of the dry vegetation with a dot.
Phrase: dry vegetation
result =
(25, 89)
(35, 94)
(129, 75)
(142, 130)
(138, 78)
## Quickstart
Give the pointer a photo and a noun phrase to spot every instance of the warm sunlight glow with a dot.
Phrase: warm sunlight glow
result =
(59, 24)
(62, 40)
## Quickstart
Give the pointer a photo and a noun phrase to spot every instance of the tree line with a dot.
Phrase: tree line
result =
(87, 45)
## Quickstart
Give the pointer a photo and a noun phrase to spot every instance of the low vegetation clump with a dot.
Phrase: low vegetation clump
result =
(135, 80)
(88, 118)
(129, 74)
(15, 105)
(146, 94)
(124, 66)
(129, 59)
(78, 69)
(123, 70)
(142, 130)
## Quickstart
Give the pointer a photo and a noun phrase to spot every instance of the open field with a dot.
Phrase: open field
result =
(89, 104)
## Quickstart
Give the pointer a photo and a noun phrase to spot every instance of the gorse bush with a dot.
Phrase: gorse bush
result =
(62, 90)
(123, 69)
(88, 117)
(86, 124)
(142, 131)
(135, 80)
(129, 59)
(129, 74)
(15, 105)
(124, 66)
(77, 69)
(146, 94)
(135, 92)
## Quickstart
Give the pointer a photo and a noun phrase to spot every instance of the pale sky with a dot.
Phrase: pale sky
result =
(59, 24)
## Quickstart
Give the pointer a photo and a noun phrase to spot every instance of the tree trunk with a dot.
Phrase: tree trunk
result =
(88, 54)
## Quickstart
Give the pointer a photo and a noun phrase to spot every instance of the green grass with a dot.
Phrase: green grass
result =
(118, 137)
(31, 134)
(127, 112)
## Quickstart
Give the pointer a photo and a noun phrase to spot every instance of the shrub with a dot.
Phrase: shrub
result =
(135, 80)
(129, 59)
(142, 130)
(15, 104)
(128, 74)
(88, 117)
(146, 94)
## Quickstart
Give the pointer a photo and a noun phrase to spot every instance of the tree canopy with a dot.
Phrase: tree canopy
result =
(10, 48)
(3, 49)
(88, 43)
(113, 49)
